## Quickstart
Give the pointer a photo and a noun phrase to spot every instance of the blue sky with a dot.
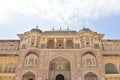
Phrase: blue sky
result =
(19, 16)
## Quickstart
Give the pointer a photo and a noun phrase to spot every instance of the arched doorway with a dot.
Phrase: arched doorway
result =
(59, 68)
(59, 77)
(31, 79)
(90, 76)
(28, 76)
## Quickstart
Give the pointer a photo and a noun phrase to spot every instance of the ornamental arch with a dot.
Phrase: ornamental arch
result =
(31, 59)
(89, 60)
(69, 44)
(50, 43)
(59, 67)
(28, 76)
(90, 76)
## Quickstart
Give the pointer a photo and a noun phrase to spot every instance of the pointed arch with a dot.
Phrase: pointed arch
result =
(32, 52)
(59, 64)
(90, 76)
(50, 43)
(89, 60)
(60, 77)
(31, 59)
(28, 76)
(60, 55)
(69, 43)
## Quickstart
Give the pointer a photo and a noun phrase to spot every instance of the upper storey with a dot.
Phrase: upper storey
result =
(9, 46)
(60, 39)
(111, 47)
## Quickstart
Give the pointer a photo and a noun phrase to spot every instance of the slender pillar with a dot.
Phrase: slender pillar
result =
(64, 42)
(74, 42)
(55, 43)
(84, 41)
(35, 41)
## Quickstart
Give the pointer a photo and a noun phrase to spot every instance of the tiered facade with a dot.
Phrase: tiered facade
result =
(60, 55)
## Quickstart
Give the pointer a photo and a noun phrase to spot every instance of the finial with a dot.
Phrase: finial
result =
(36, 26)
(53, 28)
(60, 28)
(67, 28)
(83, 27)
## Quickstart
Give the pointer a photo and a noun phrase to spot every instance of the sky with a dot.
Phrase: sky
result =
(19, 16)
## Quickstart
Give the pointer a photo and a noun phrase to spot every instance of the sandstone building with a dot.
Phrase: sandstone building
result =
(60, 55)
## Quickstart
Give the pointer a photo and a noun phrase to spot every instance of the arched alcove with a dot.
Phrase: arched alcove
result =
(28, 76)
(60, 77)
(50, 44)
(89, 60)
(110, 68)
(69, 44)
(90, 76)
(31, 60)
(59, 65)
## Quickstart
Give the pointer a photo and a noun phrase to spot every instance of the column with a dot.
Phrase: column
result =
(30, 41)
(35, 41)
(84, 41)
(27, 42)
(64, 42)
(90, 41)
(55, 42)
(45, 42)
(79, 42)
(73, 42)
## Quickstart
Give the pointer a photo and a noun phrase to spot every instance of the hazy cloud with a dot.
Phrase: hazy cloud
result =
(63, 11)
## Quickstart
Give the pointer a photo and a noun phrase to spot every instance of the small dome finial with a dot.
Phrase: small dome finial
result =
(36, 26)
(83, 27)
(67, 28)
(53, 28)
(60, 28)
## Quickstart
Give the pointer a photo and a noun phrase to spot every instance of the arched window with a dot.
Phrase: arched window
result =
(31, 60)
(110, 68)
(88, 60)
(69, 44)
(10, 68)
(50, 44)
